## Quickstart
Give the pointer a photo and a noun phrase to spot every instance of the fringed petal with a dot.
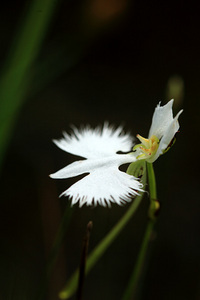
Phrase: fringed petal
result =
(103, 187)
(98, 142)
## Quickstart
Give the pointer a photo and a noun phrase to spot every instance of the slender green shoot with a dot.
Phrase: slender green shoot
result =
(17, 72)
(134, 282)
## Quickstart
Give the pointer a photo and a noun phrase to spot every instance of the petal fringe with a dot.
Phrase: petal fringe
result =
(98, 142)
(103, 188)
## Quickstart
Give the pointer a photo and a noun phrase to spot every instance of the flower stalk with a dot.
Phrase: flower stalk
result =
(154, 203)
(132, 289)
(96, 254)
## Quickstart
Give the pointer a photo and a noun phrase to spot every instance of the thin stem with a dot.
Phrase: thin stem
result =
(71, 286)
(154, 203)
(152, 182)
(132, 288)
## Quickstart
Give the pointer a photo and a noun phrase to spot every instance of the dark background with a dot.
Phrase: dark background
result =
(103, 60)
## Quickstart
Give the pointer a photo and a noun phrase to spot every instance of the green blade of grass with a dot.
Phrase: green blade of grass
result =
(15, 77)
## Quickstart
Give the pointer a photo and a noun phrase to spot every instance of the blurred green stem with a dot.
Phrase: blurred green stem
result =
(134, 282)
(15, 77)
(71, 286)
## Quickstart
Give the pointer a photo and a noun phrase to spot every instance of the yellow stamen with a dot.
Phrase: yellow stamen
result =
(144, 141)
(147, 146)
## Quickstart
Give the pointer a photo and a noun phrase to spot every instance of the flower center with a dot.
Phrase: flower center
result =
(148, 147)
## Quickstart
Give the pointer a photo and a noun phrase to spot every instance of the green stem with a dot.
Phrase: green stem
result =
(132, 288)
(152, 182)
(71, 286)
(154, 204)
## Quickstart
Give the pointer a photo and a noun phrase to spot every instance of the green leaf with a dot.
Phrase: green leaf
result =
(16, 74)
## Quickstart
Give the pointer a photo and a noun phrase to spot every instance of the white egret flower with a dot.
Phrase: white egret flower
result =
(161, 133)
(105, 183)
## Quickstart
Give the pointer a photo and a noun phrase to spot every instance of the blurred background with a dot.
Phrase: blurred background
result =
(96, 60)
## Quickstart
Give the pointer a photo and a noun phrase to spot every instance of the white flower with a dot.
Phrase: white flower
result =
(161, 133)
(105, 183)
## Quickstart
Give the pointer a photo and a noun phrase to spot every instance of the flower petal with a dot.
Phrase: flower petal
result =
(104, 186)
(162, 118)
(86, 166)
(167, 137)
(98, 142)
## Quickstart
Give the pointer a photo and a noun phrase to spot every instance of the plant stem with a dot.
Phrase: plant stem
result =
(152, 182)
(132, 288)
(154, 203)
(71, 286)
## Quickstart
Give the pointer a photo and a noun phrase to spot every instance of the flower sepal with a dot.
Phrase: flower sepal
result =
(137, 168)
(171, 144)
